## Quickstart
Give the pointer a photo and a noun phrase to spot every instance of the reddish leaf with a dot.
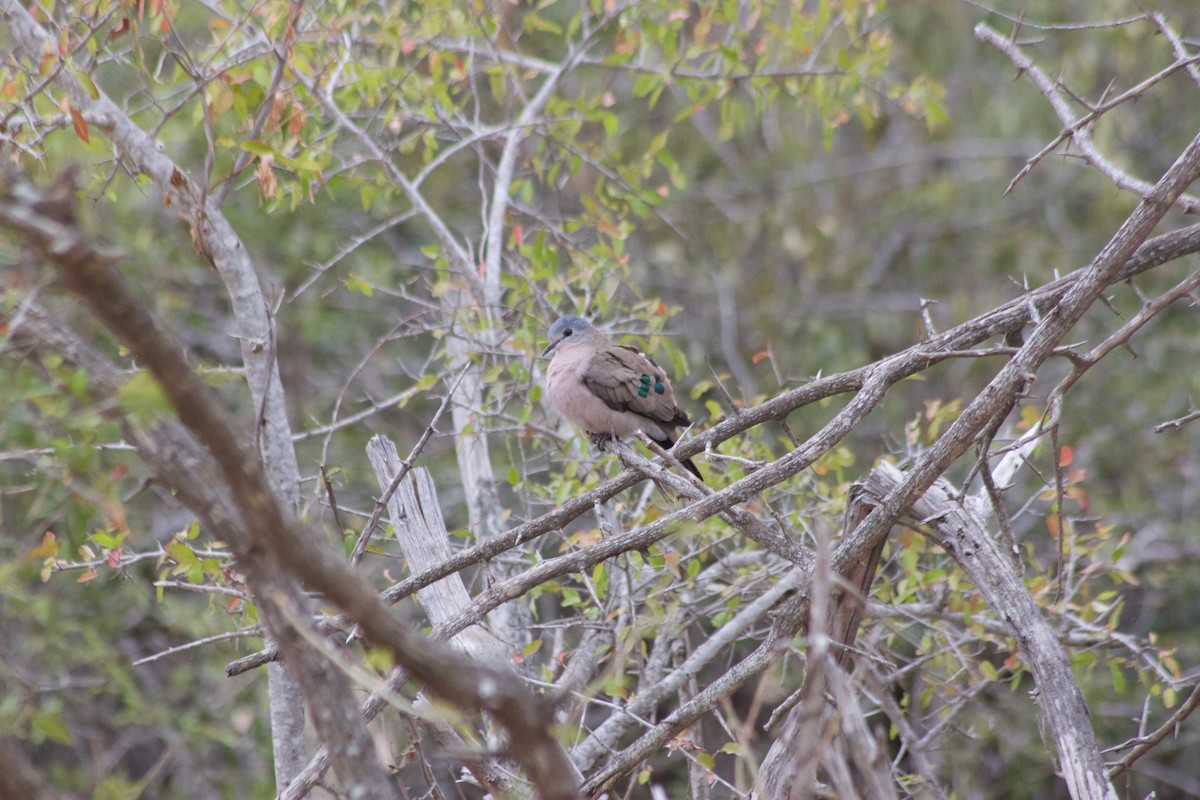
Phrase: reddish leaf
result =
(1065, 456)
(297, 120)
(120, 29)
(81, 126)
(91, 574)
(759, 356)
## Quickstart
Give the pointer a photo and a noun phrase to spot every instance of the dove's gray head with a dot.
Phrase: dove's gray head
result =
(564, 329)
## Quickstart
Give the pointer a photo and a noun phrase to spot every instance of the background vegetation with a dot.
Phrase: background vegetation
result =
(388, 204)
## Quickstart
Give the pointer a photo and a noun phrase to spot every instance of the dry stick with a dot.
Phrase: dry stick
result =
(1148, 310)
(789, 769)
(604, 739)
(360, 546)
(1076, 129)
(925, 768)
(838, 601)
(690, 487)
(1181, 54)
(416, 516)
(445, 672)
(1192, 415)
(1145, 743)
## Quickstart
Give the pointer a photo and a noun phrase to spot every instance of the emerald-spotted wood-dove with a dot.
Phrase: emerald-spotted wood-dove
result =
(610, 390)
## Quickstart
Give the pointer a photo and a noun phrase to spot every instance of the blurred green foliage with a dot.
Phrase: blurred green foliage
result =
(760, 192)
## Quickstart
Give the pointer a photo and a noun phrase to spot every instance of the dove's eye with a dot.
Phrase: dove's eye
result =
(567, 332)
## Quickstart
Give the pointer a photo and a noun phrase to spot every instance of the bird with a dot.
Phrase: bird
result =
(610, 390)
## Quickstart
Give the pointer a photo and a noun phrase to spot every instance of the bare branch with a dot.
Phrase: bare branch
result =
(1076, 129)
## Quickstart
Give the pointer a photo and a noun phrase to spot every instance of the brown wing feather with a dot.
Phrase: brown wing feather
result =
(626, 380)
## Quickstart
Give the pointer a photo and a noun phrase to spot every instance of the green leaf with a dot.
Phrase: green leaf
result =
(610, 123)
(645, 84)
(497, 82)
(534, 22)
(105, 539)
(50, 726)
(600, 579)
(258, 148)
(179, 551)
(86, 82)
(142, 398)
(1118, 677)
(935, 115)
(356, 284)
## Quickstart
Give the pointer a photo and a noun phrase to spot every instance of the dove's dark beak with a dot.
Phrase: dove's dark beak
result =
(549, 347)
